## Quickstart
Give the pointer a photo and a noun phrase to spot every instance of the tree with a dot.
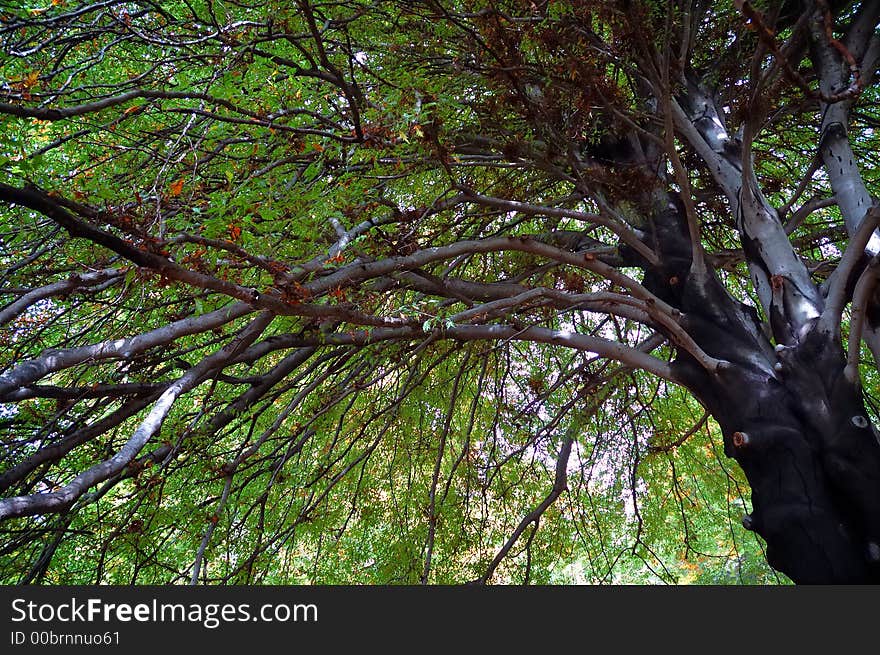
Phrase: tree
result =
(439, 291)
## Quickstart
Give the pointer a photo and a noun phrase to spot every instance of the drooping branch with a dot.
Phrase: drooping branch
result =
(387, 205)
(359, 271)
(564, 338)
(44, 203)
(54, 452)
(604, 302)
(625, 233)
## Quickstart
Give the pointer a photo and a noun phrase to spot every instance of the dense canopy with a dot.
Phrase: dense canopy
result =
(438, 291)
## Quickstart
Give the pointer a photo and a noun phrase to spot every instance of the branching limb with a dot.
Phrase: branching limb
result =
(58, 501)
(357, 272)
(780, 279)
(835, 149)
(626, 234)
(55, 451)
(605, 347)
(604, 302)
(802, 212)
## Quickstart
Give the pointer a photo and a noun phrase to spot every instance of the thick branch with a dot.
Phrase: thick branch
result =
(604, 347)
(780, 278)
(839, 282)
(28, 372)
(862, 296)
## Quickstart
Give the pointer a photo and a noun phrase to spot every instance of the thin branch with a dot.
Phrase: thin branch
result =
(698, 261)
(861, 298)
(626, 234)
(838, 284)
(214, 519)
(73, 283)
(680, 440)
(801, 214)
(560, 484)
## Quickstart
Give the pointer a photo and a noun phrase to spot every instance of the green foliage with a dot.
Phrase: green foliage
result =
(256, 135)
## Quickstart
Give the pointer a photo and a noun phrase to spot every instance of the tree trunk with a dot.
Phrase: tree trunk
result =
(792, 420)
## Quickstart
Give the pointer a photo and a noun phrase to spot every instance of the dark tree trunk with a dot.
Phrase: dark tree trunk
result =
(791, 419)
(810, 454)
